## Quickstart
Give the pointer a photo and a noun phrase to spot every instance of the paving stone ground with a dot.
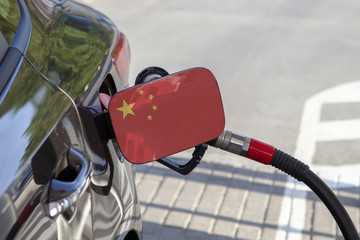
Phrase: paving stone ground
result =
(231, 201)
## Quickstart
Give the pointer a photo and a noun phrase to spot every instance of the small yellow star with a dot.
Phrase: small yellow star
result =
(154, 108)
(149, 117)
(151, 96)
(126, 109)
(141, 92)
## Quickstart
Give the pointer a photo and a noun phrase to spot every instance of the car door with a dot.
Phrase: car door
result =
(42, 146)
(42, 149)
(43, 153)
(61, 179)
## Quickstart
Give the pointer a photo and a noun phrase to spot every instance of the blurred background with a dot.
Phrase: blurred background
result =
(269, 57)
(288, 71)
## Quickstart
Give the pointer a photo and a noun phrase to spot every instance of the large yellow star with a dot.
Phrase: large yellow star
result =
(126, 109)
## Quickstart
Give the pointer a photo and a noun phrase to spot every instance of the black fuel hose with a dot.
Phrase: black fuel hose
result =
(302, 172)
(268, 155)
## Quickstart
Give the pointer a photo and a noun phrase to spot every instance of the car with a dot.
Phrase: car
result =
(62, 176)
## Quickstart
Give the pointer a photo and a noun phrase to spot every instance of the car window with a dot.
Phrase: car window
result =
(9, 19)
(3, 46)
(15, 27)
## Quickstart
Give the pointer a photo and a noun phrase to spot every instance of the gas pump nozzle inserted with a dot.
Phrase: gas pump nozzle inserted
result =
(159, 118)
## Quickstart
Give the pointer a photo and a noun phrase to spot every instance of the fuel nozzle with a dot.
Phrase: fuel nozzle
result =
(234, 143)
(244, 146)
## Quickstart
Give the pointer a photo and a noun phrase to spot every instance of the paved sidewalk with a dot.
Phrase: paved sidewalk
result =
(232, 201)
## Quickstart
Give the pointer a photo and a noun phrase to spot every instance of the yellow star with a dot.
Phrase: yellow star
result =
(126, 109)
(141, 92)
(154, 108)
(149, 117)
(151, 96)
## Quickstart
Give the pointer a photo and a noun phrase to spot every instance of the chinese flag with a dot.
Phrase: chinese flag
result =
(168, 115)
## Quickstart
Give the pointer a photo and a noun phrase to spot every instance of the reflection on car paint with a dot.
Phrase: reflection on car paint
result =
(71, 46)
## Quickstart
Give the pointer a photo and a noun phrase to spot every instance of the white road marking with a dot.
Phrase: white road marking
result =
(293, 210)
(312, 130)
